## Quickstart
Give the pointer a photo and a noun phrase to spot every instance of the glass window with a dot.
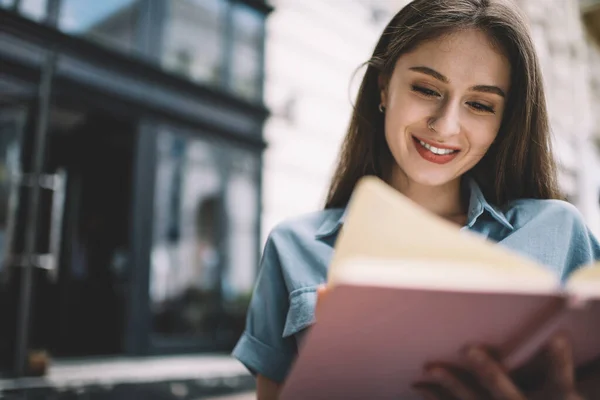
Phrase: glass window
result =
(34, 9)
(194, 39)
(247, 54)
(205, 238)
(6, 3)
(241, 239)
(109, 22)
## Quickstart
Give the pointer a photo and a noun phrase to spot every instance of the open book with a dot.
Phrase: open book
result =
(408, 288)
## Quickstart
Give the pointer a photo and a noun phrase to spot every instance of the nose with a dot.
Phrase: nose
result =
(446, 122)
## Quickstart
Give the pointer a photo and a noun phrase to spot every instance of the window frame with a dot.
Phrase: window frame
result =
(263, 9)
(261, 6)
(149, 38)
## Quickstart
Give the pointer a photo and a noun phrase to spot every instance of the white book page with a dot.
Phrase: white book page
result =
(441, 275)
(383, 224)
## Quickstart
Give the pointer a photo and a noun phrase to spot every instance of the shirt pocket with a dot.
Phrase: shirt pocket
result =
(301, 313)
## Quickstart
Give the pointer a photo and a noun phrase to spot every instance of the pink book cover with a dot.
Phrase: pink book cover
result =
(372, 342)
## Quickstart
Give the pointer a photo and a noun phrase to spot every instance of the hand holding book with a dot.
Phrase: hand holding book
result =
(482, 376)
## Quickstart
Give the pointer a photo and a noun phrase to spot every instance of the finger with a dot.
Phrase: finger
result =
(321, 294)
(453, 384)
(491, 375)
(561, 369)
(321, 290)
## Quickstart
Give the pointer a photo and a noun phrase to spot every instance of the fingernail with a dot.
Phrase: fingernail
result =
(465, 349)
(559, 342)
(436, 372)
(432, 368)
(476, 354)
(430, 365)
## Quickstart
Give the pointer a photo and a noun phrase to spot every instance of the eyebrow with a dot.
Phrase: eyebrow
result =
(478, 88)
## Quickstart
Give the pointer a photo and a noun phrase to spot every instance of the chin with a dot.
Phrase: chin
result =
(430, 179)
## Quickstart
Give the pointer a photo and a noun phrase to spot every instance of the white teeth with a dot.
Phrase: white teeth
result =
(435, 150)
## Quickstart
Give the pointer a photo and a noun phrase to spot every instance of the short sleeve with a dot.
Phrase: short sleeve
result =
(262, 347)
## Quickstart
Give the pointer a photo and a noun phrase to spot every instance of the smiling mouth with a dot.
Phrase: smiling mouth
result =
(435, 150)
(434, 154)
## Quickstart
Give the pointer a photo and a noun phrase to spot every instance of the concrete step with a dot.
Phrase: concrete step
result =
(164, 377)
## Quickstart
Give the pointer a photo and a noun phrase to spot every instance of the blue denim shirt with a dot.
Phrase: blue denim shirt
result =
(297, 254)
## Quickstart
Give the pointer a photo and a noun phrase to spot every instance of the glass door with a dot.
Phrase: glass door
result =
(89, 299)
(78, 292)
(24, 264)
(12, 122)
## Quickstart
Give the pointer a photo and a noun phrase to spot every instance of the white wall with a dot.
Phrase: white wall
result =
(313, 50)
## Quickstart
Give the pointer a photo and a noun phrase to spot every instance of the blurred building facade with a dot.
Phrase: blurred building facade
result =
(312, 77)
(148, 117)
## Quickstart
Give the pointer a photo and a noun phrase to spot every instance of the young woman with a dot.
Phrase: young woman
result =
(451, 113)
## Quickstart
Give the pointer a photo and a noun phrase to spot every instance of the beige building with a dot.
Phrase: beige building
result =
(566, 36)
(314, 51)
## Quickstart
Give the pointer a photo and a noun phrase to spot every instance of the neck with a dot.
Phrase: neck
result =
(446, 200)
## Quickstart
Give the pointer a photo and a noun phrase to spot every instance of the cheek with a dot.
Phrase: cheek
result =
(403, 113)
(483, 132)
(481, 140)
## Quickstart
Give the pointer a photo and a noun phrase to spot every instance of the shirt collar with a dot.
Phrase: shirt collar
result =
(331, 225)
(477, 206)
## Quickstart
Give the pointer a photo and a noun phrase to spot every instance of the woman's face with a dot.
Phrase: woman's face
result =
(444, 105)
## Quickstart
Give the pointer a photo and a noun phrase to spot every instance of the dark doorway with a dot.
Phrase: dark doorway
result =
(82, 311)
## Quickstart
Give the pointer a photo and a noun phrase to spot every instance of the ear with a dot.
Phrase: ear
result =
(382, 82)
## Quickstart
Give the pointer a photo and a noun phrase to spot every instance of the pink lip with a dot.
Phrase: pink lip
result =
(438, 145)
(431, 157)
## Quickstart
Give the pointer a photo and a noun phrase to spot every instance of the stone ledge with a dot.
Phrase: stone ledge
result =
(156, 378)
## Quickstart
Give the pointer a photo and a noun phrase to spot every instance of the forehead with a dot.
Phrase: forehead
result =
(465, 57)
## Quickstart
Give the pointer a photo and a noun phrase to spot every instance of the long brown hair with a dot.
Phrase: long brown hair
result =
(519, 164)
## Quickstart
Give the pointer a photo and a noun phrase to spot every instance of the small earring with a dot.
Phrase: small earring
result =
(381, 108)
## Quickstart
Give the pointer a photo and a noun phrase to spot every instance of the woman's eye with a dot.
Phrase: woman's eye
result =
(425, 92)
(481, 107)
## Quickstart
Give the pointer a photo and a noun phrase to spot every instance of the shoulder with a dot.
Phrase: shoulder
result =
(301, 248)
(556, 229)
(543, 211)
(306, 228)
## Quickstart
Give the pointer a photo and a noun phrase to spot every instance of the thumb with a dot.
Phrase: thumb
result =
(561, 366)
(322, 292)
